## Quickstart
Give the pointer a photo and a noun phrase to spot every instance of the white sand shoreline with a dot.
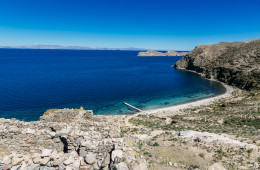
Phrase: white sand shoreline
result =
(202, 102)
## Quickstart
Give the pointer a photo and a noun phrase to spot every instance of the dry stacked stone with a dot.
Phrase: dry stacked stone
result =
(65, 139)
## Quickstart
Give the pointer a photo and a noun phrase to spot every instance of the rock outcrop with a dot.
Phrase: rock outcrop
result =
(156, 53)
(64, 139)
(234, 63)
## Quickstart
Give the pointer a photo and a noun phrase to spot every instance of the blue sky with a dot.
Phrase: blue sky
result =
(155, 24)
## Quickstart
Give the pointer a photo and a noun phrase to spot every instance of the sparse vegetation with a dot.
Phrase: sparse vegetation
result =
(157, 123)
(239, 116)
(202, 155)
(148, 154)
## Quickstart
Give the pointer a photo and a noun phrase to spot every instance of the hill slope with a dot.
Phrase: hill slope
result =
(234, 63)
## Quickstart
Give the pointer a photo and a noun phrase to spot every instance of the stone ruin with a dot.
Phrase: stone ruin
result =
(65, 139)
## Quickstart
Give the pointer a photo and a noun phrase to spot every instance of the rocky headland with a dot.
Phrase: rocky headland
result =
(156, 53)
(212, 134)
(234, 63)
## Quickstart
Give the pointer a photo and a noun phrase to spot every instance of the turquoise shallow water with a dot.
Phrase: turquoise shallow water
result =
(155, 102)
(32, 81)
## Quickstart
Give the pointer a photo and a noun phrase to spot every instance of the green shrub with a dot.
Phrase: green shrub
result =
(202, 155)
(156, 144)
(140, 145)
(148, 154)
(122, 133)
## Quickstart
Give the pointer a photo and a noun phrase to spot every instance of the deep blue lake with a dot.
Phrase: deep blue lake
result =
(32, 81)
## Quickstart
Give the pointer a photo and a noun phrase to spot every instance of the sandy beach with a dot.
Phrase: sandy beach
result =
(202, 102)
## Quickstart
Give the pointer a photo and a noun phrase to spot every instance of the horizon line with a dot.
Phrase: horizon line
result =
(74, 47)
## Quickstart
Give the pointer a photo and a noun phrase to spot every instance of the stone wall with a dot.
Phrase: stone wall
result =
(65, 139)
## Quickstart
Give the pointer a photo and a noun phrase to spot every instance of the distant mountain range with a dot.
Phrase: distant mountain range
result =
(69, 47)
(73, 48)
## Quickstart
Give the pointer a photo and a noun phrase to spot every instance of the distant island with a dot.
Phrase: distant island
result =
(156, 53)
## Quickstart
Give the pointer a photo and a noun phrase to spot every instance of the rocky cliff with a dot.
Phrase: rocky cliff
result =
(234, 63)
(156, 53)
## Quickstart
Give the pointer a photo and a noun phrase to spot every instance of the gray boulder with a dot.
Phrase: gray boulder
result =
(90, 158)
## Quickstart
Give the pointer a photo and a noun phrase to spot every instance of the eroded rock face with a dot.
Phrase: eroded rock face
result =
(156, 53)
(63, 139)
(234, 63)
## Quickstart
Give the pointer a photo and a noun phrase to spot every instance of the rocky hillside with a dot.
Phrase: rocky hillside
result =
(234, 63)
(156, 53)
